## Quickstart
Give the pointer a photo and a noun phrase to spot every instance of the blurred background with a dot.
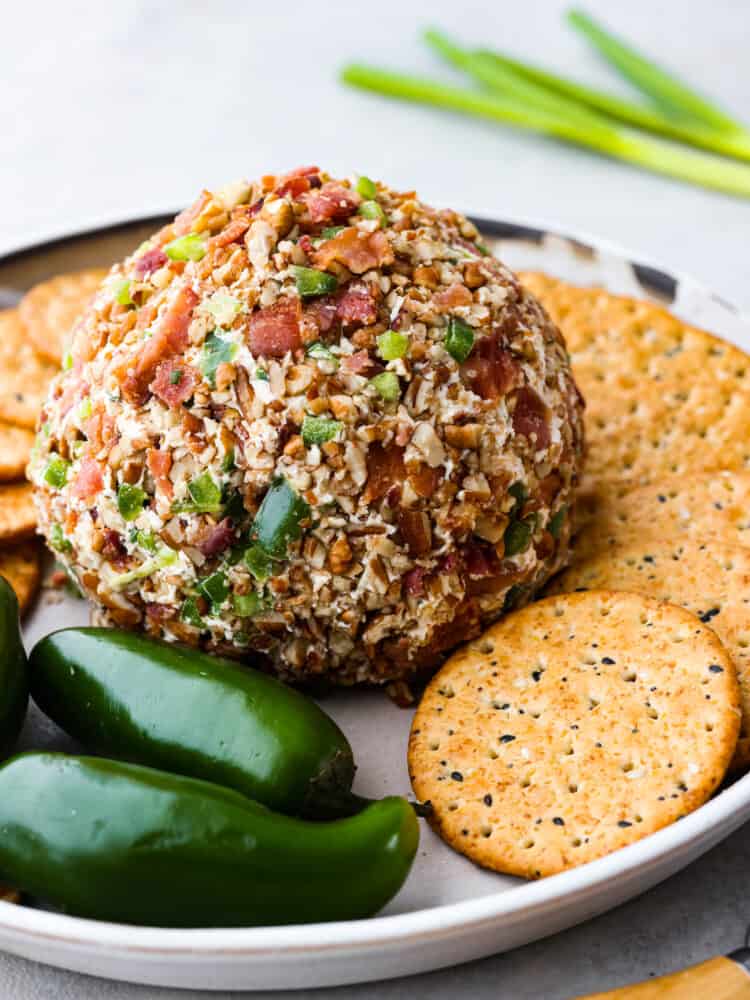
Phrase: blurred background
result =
(121, 109)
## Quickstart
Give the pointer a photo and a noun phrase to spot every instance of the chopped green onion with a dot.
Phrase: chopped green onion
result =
(557, 521)
(319, 352)
(216, 351)
(227, 463)
(130, 501)
(56, 473)
(84, 408)
(372, 210)
(175, 376)
(459, 340)
(318, 430)
(121, 291)
(311, 282)
(605, 137)
(190, 613)
(655, 82)
(215, 588)
(520, 494)
(164, 557)
(190, 247)
(57, 539)
(205, 497)
(67, 361)
(258, 562)
(331, 232)
(279, 518)
(516, 538)
(366, 187)
(392, 345)
(247, 605)
(261, 374)
(147, 540)
(222, 307)
(386, 385)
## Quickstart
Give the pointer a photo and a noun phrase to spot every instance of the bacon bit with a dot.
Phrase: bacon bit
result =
(305, 244)
(159, 465)
(159, 612)
(113, 549)
(385, 468)
(332, 202)
(100, 430)
(450, 563)
(358, 251)
(530, 417)
(357, 363)
(320, 313)
(294, 186)
(184, 221)
(149, 262)
(274, 331)
(414, 581)
(491, 370)
(231, 233)
(89, 480)
(471, 247)
(416, 530)
(357, 305)
(480, 560)
(452, 297)
(170, 339)
(175, 382)
(219, 538)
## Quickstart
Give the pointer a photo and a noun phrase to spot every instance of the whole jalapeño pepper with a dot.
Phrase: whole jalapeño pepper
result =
(117, 841)
(153, 703)
(14, 691)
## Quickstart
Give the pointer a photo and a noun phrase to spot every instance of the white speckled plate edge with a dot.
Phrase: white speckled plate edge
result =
(469, 913)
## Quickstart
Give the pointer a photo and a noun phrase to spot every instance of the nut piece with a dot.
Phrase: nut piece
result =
(464, 436)
(340, 555)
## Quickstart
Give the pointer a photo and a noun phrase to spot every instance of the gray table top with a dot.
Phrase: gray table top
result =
(113, 111)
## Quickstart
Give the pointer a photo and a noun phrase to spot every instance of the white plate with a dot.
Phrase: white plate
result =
(449, 911)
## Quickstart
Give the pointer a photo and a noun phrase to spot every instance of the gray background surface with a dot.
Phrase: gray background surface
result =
(115, 110)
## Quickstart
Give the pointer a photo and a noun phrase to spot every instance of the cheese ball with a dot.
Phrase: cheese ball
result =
(315, 424)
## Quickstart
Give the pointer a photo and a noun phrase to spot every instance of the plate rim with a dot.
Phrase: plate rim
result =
(446, 919)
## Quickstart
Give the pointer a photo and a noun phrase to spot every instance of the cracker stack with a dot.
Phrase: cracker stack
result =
(615, 706)
(32, 343)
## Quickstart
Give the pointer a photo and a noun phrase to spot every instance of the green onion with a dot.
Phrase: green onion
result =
(67, 361)
(279, 519)
(84, 408)
(56, 473)
(319, 352)
(147, 540)
(516, 538)
(311, 282)
(632, 114)
(459, 339)
(190, 613)
(556, 522)
(190, 247)
(366, 187)
(130, 501)
(258, 562)
(222, 307)
(318, 430)
(331, 232)
(57, 539)
(121, 291)
(261, 374)
(386, 385)
(656, 83)
(520, 495)
(372, 210)
(175, 376)
(227, 463)
(164, 557)
(216, 351)
(215, 589)
(205, 497)
(247, 605)
(626, 144)
(392, 345)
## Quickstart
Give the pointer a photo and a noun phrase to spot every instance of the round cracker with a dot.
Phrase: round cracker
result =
(15, 450)
(17, 512)
(712, 581)
(51, 308)
(24, 377)
(697, 507)
(662, 397)
(21, 565)
(572, 728)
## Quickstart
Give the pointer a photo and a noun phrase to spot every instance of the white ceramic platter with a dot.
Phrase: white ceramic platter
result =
(449, 911)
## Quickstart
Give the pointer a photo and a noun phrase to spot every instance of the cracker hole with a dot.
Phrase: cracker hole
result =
(527, 844)
(452, 806)
(628, 767)
(629, 676)
(573, 788)
(576, 842)
(486, 831)
(434, 746)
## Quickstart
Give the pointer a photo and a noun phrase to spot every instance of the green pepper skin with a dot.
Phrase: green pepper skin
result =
(126, 696)
(14, 688)
(122, 842)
